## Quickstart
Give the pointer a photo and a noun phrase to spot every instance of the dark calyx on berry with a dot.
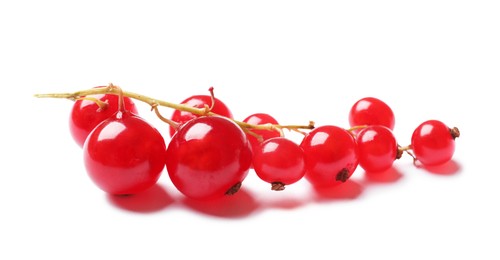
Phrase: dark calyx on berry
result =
(277, 186)
(235, 188)
(454, 132)
(343, 175)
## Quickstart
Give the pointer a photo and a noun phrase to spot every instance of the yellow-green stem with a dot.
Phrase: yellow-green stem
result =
(111, 89)
(408, 150)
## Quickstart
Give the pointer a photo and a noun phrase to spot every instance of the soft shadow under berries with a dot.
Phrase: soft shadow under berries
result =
(345, 191)
(239, 205)
(388, 176)
(152, 200)
(283, 200)
(449, 168)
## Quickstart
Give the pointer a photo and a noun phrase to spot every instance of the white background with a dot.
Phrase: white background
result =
(297, 60)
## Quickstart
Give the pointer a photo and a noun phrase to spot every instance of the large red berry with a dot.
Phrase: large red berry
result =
(208, 157)
(86, 114)
(330, 155)
(199, 101)
(124, 154)
(433, 142)
(371, 111)
(377, 148)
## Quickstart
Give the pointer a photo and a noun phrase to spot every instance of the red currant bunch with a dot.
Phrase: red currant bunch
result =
(209, 153)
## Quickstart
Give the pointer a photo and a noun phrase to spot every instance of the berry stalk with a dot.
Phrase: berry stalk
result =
(154, 103)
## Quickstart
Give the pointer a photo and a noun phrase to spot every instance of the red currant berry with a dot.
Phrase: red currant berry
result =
(371, 111)
(377, 148)
(199, 101)
(330, 155)
(259, 119)
(124, 154)
(433, 142)
(208, 157)
(279, 161)
(86, 114)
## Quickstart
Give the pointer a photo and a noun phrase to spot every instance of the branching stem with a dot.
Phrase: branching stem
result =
(407, 149)
(154, 103)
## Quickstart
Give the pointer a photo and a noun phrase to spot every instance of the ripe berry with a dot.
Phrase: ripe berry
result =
(86, 114)
(377, 148)
(330, 155)
(124, 154)
(199, 101)
(371, 111)
(259, 119)
(208, 157)
(433, 142)
(279, 161)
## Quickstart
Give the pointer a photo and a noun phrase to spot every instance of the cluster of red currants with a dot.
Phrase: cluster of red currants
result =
(209, 154)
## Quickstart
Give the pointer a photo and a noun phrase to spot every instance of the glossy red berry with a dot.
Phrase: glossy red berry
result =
(208, 157)
(199, 101)
(377, 148)
(371, 111)
(330, 155)
(259, 119)
(279, 161)
(86, 114)
(433, 142)
(124, 154)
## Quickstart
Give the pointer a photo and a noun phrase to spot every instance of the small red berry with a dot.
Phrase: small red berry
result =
(259, 119)
(86, 114)
(371, 111)
(377, 148)
(199, 101)
(330, 155)
(279, 161)
(433, 142)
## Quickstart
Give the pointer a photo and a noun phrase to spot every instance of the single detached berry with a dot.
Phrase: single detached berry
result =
(259, 119)
(279, 161)
(124, 154)
(199, 101)
(208, 157)
(86, 114)
(371, 111)
(377, 148)
(330, 155)
(433, 142)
